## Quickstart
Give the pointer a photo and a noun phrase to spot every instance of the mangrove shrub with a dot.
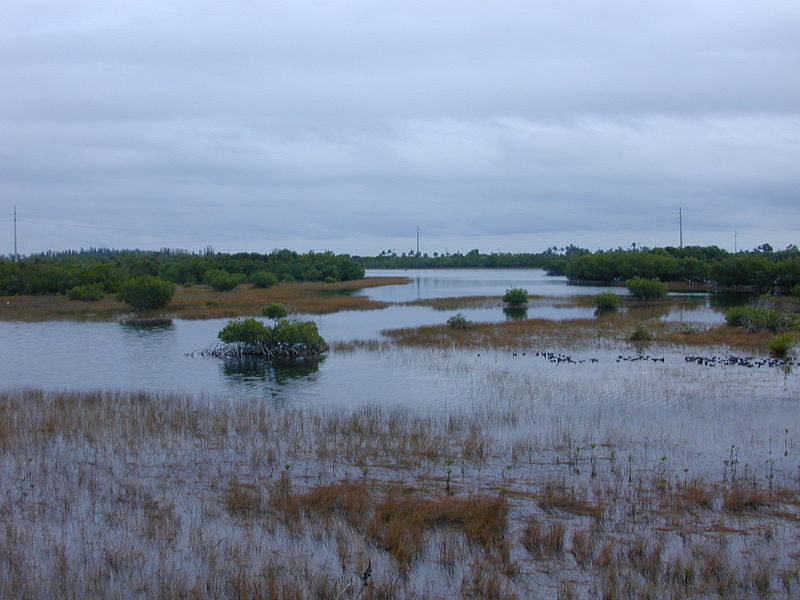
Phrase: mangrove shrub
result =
(222, 281)
(146, 292)
(759, 318)
(264, 279)
(516, 296)
(275, 311)
(640, 334)
(88, 293)
(606, 301)
(459, 321)
(287, 339)
(245, 331)
(646, 289)
(780, 345)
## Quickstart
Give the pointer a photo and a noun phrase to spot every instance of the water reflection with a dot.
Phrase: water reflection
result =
(279, 372)
(729, 299)
(651, 311)
(515, 313)
(145, 325)
(326, 292)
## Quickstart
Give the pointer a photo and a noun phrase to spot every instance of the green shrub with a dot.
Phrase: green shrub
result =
(245, 331)
(646, 289)
(297, 333)
(146, 292)
(758, 318)
(640, 334)
(780, 345)
(222, 281)
(459, 321)
(275, 311)
(606, 301)
(516, 296)
(286, 339)
(264, 279)
(796, 290)
(88, 293)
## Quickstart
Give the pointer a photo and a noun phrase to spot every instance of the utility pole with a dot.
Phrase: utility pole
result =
(15, 233)
(417, 240)
(680, 225)
(735, 244)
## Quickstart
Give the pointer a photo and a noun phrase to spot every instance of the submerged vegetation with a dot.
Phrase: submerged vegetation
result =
(164, 496)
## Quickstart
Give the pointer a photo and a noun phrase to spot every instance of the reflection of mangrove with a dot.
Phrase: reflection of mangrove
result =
(148, 324)
(729, 300)
(645, 311)
(338, 292)
(278, 371)
(515, 313)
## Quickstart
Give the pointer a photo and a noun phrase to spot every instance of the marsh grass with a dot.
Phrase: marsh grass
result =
(129, 495)
(612, 327)
(457, 303)
(556, 495)
(202, 302)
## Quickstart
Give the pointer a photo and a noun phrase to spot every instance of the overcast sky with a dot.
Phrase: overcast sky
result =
(344, 125)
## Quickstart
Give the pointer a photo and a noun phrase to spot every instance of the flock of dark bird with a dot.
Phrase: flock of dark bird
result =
(740, 361)
(728, 360)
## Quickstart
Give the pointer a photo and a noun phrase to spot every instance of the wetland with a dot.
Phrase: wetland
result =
(536, 454)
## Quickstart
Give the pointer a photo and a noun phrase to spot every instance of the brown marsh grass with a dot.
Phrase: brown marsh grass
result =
(201, 302)
(557, 496)
(614, 328)
(139, 495)
(400, 522)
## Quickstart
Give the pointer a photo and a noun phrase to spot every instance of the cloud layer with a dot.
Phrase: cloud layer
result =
(344, 125)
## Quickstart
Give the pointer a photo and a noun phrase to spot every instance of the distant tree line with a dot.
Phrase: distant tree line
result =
(389, 259)
(59, 272)
(762, 268)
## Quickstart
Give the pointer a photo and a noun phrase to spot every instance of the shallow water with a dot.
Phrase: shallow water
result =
(595, 395)
(452, 283)
(153, 355)
(550, 413)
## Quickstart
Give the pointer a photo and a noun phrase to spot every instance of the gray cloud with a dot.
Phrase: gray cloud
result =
(346, 124)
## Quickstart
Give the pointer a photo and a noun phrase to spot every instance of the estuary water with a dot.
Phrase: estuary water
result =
(603, 391)
(155, 355)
